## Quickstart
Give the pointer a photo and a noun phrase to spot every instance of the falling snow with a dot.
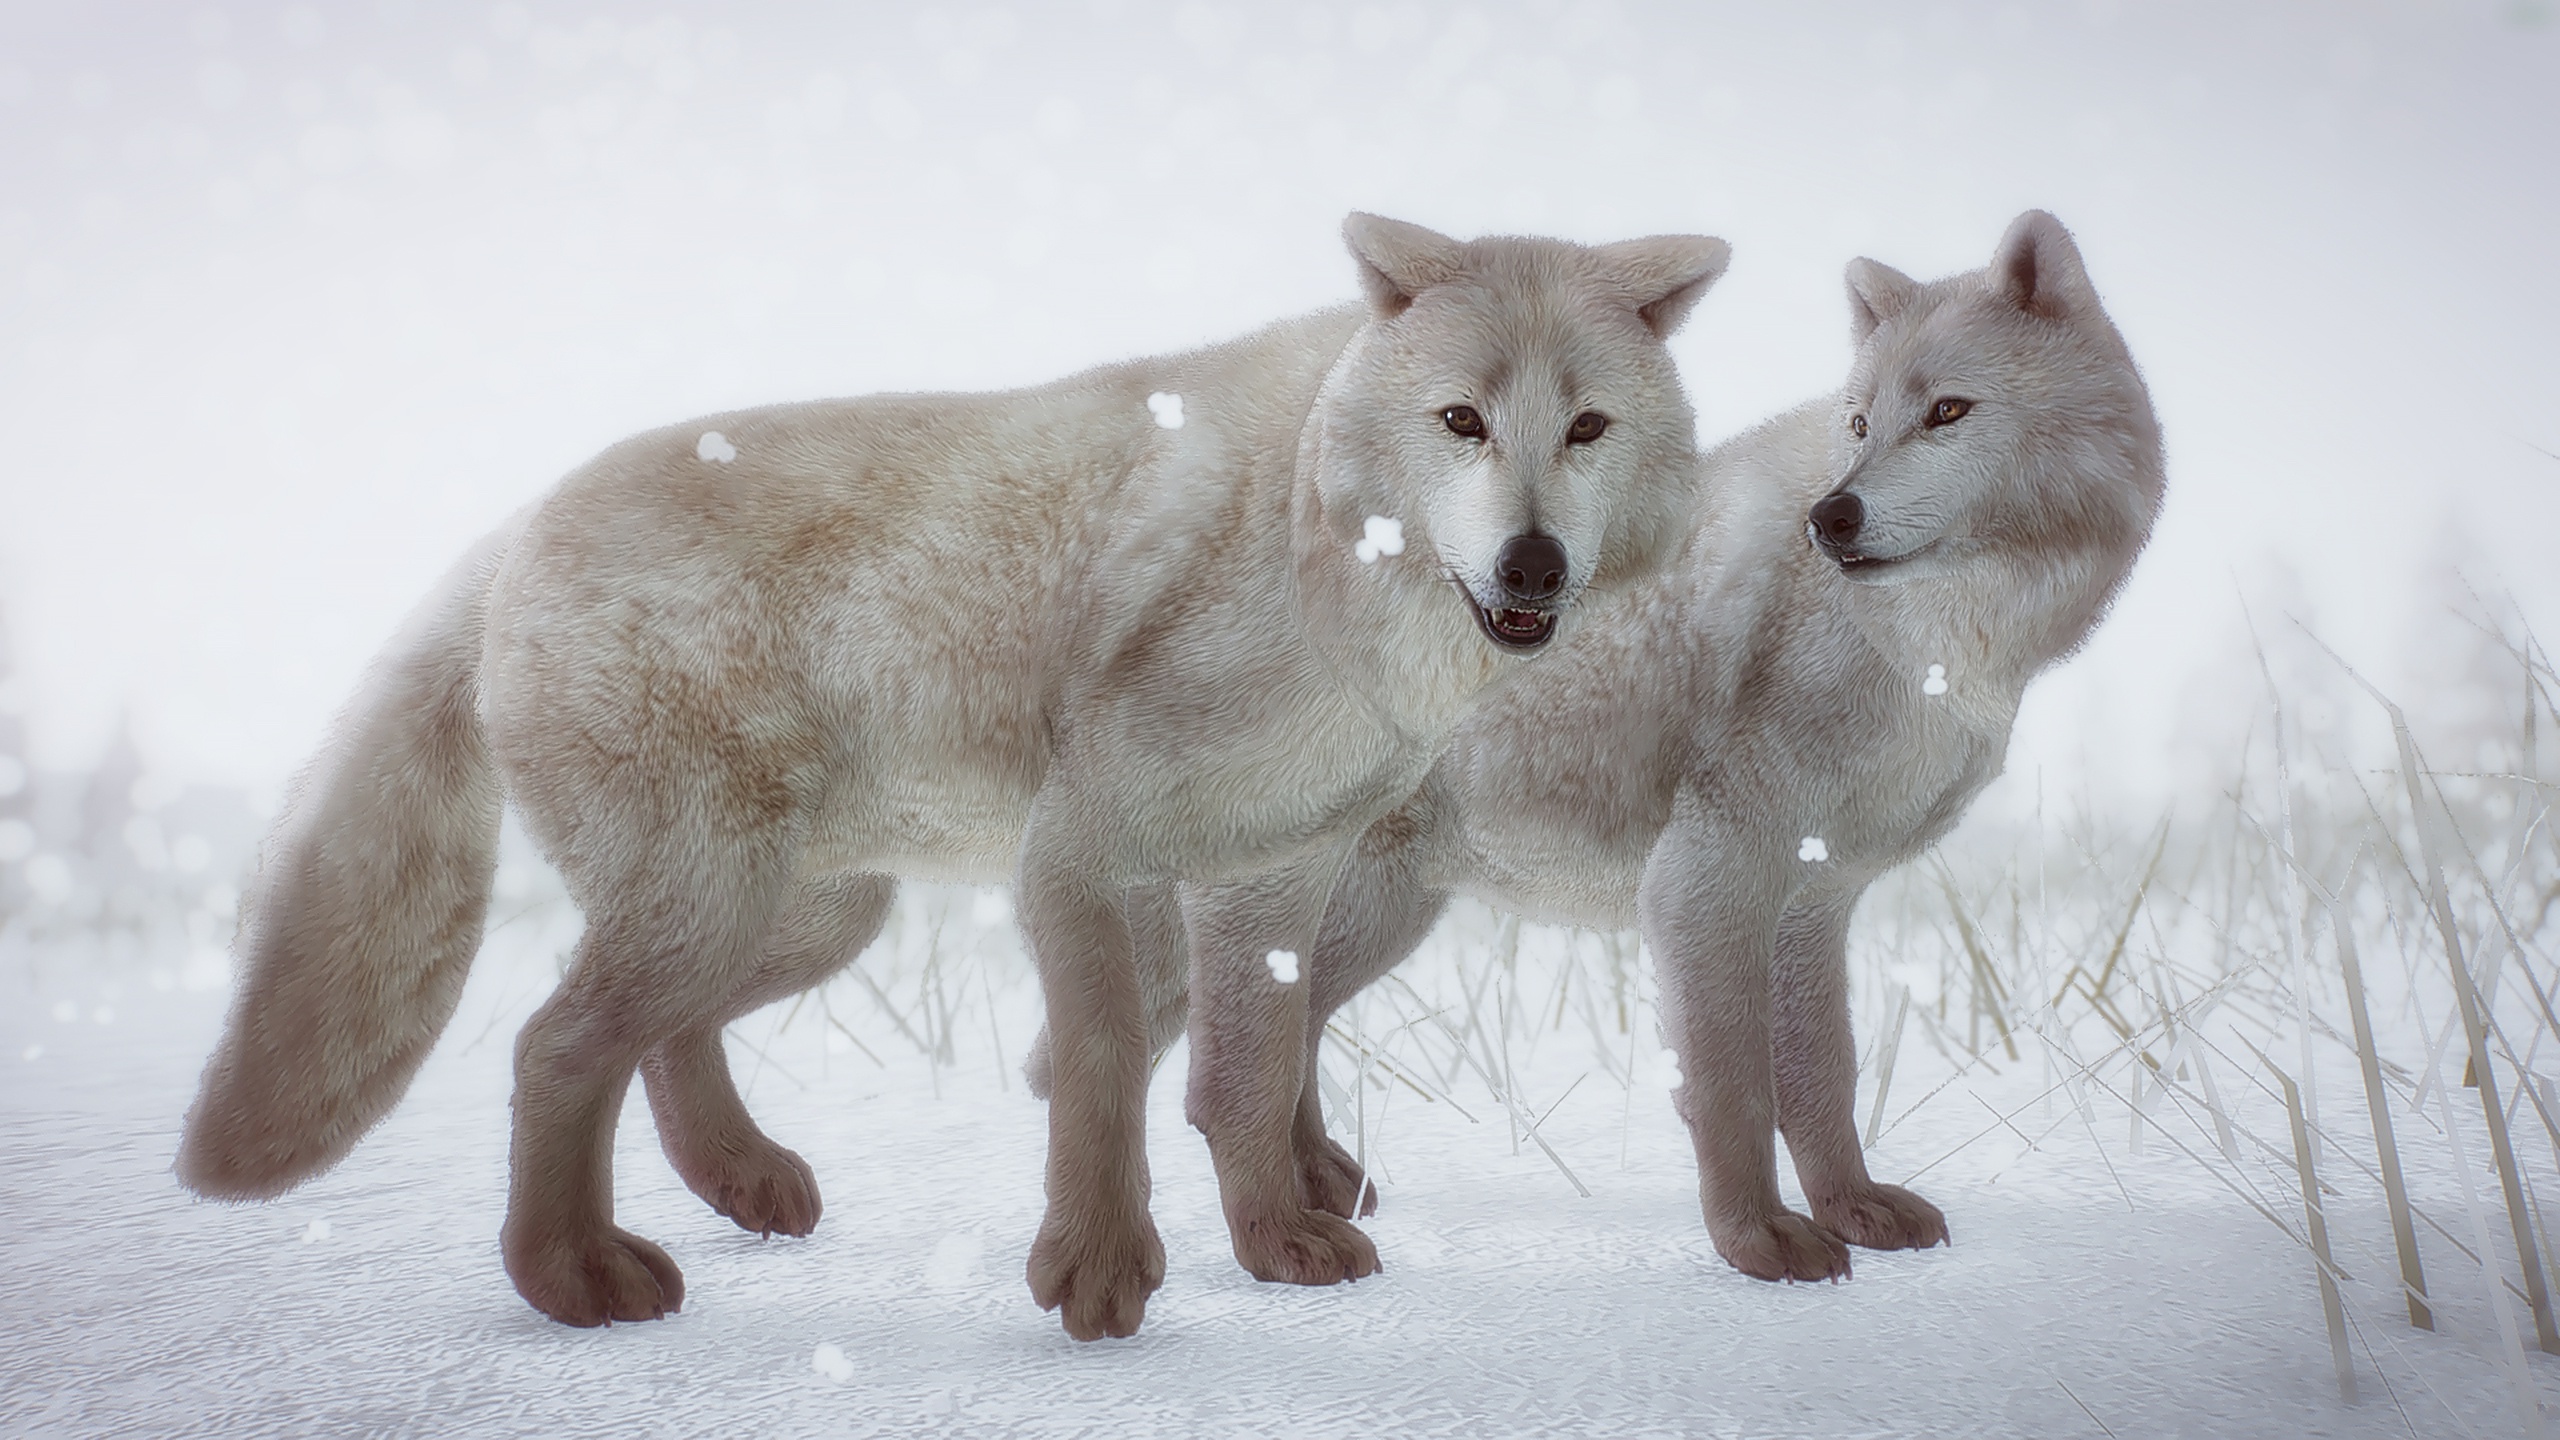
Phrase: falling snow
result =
(1812, 850)
(1167, 408)
(1935, 682)
(715, 447)
(1379, 535)
(1284, 966)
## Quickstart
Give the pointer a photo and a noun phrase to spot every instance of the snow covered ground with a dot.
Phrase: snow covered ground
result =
(2095, 1286)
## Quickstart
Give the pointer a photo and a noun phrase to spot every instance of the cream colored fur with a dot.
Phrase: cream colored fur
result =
(1667, 771)
(1033, 636)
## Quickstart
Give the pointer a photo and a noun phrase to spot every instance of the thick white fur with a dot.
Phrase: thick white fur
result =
(1032, 635)
(1667, 769)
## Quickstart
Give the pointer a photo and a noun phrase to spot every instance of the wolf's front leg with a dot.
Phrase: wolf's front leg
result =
(1097, 1257)
(1710, 914)
(1816, 1063)
(1249, 1043)
(1382, 906)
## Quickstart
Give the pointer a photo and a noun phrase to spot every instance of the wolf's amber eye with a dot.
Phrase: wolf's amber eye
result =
(1463, 420)
(1858, 426)
(1586, 427)
(1948, 411)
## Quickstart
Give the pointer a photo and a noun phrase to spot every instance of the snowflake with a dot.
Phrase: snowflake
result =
(1379, 536)
(829, 1360)
(1167, 408)
(1935, 682)
(315, 1232)
(715, 447)
(1284, 966)
(1812, 851)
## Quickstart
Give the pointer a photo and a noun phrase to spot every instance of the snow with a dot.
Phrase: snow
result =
(715, 447)
(1508, 1304)
(1935, 682)
(1379, 535)
(829, 1360)
(315, 1232)
(1167, 409)
(1812, 850)
(1284, 966)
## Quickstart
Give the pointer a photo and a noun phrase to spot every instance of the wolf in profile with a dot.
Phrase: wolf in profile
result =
(1201, 618)
(1809, 696)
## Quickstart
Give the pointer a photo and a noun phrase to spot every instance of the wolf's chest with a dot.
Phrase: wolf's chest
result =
(1916, 791)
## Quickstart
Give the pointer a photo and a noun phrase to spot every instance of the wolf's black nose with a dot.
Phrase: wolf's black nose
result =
(1531, 566)
(1836, 517)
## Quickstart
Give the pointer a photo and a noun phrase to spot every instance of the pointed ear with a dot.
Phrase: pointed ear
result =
(1663, 275)
(2037, 268)
(1877, 293)
(1399, 261)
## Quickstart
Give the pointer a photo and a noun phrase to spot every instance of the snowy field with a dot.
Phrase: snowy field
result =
(372, 1301)
(2130, 1251)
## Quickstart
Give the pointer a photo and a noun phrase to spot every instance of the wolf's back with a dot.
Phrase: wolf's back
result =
(367, 908)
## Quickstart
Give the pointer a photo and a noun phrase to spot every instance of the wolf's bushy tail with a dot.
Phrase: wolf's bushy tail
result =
(367, 908)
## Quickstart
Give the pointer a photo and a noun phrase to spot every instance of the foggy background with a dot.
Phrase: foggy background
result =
(295, 302)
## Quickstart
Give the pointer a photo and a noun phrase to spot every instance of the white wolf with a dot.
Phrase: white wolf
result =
(1731, 754)
(1095, 637)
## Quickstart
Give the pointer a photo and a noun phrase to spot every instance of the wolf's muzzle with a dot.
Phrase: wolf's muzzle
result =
(1833, 524)
(1531, 569)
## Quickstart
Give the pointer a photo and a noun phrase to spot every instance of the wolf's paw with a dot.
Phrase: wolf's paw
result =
(1781, 1246)
(1096, 1276)
(1331, 1181)
(1304, 1247)
(596, 1279)
(768, 1190)
(1882, 1217)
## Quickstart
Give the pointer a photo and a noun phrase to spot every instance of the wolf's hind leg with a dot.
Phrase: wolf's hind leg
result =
(702, 1122)
(1815, 1064)
(665, 948)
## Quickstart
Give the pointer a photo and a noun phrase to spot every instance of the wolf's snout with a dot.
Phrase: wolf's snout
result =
(1532, 567)
(1836, 518)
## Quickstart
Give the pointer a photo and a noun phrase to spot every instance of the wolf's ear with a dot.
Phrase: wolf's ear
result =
(1663, 275)
(1877, 293)
(1399, 261)
(2037, 268)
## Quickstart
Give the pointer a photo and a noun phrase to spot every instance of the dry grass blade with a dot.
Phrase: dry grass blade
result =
(2317, 1224)
(2528, 1406)
(1990, 994)
(2395, 1188)
(1884, 1062)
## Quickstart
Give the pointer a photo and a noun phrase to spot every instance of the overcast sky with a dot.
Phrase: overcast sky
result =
(294, 302)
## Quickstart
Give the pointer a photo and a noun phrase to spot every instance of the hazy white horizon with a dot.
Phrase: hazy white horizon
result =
(295, 302)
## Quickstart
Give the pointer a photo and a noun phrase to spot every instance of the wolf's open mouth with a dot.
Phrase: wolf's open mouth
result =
(1509, 629)
(1516, 629)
